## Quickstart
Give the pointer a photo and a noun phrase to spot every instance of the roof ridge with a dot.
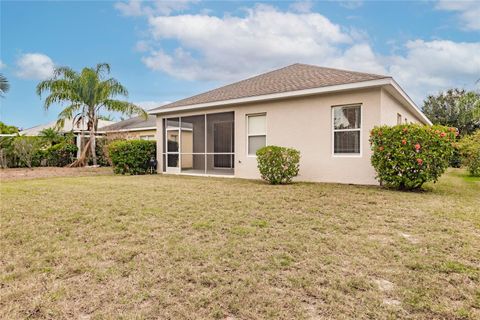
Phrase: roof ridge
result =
(345, 70)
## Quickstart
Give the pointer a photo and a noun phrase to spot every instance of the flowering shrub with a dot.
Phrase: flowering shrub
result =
(278, 165)
(407, 156)
(470, 150)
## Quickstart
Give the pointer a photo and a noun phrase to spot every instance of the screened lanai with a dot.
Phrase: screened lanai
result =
(199, 144)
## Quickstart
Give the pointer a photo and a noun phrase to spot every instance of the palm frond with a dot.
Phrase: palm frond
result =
(4, 85)
(116, 88)
(124, 107)
(68, 113)
(64, 72)
(102, 68)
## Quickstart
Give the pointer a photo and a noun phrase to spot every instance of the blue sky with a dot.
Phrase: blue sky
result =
(166, 50)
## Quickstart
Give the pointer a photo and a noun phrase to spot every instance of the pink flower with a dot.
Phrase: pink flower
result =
(417, 146)
(443, 134)
(419, 161)
(404, 142)
(380, 148)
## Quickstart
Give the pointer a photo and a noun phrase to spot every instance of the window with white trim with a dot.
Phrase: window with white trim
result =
(346, 130)
(256, 133)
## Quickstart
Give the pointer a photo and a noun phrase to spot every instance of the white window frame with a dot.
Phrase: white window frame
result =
(347, 155)
(255, 135)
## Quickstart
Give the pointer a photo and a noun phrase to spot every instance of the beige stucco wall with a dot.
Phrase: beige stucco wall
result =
(391, 107)
(305, 124)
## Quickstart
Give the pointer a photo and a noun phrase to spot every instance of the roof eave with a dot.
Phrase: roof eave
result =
(409, 102)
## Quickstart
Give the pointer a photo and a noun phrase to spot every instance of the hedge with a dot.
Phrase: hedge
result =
(278, 165)
(131, 156)
(407, 156)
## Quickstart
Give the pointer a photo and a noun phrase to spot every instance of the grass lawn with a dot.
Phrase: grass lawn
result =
(176, 247)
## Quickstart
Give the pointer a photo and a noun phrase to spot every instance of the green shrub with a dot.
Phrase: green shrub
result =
(131, 156)
(60, 155)
(407, 156)
(24, 150)
(278, 165)
(470, 150)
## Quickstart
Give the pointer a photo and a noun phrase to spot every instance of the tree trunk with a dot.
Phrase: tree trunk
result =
(92, 146)
(82, 160)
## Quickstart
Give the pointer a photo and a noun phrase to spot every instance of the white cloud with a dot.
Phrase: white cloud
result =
(2, 65)
(469, 12)
(148, 8)
(302, 6)
(35, 66)
(213, 48)
(430, 66)
(131, 8)
(230, 48)
(142, 46)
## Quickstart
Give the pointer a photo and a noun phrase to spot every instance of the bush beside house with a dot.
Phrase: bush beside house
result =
(278, 165)
(469, 147)
(131, 156)
(407, 156)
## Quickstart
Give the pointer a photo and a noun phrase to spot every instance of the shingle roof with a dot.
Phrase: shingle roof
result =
(132, 123)
(291, 78)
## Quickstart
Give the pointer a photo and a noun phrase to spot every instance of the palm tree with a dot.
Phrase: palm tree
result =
(87, 93)
(4, 85)
(51, 136)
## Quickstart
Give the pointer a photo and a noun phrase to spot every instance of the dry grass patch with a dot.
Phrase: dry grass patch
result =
(188, 247)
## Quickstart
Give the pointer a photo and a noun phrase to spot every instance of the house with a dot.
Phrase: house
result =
(325, 113)
(133, 128)
(68, 126)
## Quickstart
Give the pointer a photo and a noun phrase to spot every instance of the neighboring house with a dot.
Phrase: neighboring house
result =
(133, 128)
(68, 126)
(325, 113)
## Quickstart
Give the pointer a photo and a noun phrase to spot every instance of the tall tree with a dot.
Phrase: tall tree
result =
(4, 85)
(87, 94)
(455, 108)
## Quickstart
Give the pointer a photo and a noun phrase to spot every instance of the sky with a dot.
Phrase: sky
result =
(163, 51)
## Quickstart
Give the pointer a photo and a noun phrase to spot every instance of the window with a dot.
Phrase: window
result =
(346, 129)
(399, 118)
(406, 121)
(257, 133)
(147, 137)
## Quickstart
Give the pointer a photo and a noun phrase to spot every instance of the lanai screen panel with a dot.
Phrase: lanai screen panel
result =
(200, 144)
